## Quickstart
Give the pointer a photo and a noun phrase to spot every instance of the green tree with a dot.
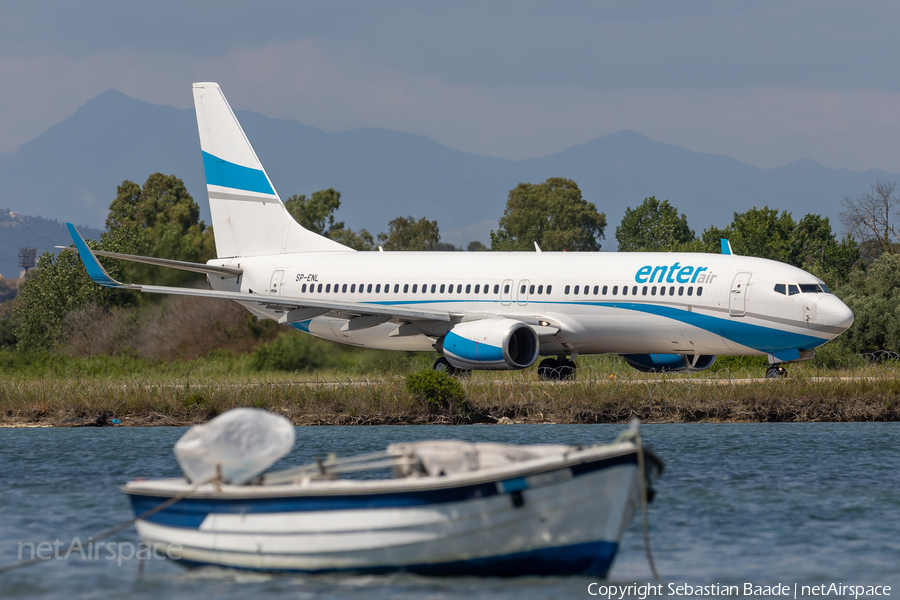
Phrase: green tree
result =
(476, 246)
(159, 219)
(809, 244)
(653, 226)
(316, 214)
(553, 214)
(874, 299)
(407, 233)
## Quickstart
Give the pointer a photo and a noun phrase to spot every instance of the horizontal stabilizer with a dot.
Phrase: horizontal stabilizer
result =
(349, 309)
(172, 264)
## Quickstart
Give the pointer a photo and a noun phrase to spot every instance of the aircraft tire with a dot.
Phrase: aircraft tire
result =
(548, 370)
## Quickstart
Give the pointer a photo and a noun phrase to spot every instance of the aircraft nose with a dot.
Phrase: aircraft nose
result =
(831, 311)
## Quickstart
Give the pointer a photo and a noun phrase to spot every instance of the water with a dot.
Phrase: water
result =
(738, 503)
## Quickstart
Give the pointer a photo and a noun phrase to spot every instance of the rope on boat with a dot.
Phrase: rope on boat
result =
(107, 533)
(643, 487)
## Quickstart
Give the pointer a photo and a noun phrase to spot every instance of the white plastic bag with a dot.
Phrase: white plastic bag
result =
(244, 442)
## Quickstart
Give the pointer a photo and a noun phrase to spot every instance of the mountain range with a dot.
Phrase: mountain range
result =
(70, 172)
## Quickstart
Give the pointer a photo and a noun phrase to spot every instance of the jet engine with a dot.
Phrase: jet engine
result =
(671, 363)
(499, 344)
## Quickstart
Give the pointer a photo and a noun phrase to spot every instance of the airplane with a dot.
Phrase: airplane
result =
(662, 312)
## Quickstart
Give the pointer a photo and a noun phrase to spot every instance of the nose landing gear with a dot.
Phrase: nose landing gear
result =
(776, 372)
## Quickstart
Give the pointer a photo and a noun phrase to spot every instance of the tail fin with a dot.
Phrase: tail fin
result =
(248, 217)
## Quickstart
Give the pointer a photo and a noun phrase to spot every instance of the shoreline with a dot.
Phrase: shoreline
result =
(86, 403)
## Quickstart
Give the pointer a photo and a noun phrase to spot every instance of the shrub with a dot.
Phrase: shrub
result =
(437, 388)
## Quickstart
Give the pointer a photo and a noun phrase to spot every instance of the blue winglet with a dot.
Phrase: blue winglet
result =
(726, 246)
(95, 270)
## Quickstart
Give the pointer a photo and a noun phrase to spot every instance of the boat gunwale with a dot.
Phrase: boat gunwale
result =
(168, 488)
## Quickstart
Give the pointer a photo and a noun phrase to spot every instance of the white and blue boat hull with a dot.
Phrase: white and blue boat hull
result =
(547, 517)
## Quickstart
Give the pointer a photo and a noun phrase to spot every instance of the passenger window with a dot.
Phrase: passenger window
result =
(506, 289)
(378, 289)
(662, 290)
(604, 290)
(459, 289)
(792, 289)
(566, 290)
(576, 289)
(396, 288)
(691, 291)
(362, 288)
(587, 290)
(531, 290)
(442, 288)
(320, 288)
(681, 291)
(643, 291)
(540, 289)
(468, 287)
(487, 287)
(477, 288)
(779, 287)
(700, 291)
(522, 290)
(652, 291)
(415, 288)
(304, 288)
(615, 290)
(549, 287)
(624, 290)
(672, 290)
(634, 290)
(352, 288)
(450, 289)
(328, 289)
(405, 288)
(434, 287)
(369, 288)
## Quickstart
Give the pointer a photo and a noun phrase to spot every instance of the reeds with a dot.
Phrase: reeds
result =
(866, 393)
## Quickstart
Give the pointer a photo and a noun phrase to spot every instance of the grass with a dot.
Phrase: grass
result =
(93, 391)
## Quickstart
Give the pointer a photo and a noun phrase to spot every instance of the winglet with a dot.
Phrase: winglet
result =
(95, 270)
(726, 246)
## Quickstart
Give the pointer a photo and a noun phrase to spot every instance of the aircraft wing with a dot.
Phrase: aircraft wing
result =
(295, 309)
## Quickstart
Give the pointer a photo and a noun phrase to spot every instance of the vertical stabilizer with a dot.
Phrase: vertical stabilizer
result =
(248, 217)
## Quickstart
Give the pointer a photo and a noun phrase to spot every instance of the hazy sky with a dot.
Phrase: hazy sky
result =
(766, 82)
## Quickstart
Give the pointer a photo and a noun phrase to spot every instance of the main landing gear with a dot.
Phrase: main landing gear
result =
(442, 364)
(556, 369)
(776, 372)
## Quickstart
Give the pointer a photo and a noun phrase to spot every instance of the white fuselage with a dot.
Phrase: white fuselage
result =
(685, 303)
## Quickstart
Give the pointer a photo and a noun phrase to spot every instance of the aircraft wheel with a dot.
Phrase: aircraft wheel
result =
(566, 369)
(776, 372)
(548, 370)
(442, 364)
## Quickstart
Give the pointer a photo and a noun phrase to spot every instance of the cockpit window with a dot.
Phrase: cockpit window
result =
(792, 290)
(810, 288)
(779, 287)
(824, 288)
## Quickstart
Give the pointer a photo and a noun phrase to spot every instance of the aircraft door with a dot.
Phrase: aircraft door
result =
(506, 292)
(275, 286)
(522, 292)
(737, 301)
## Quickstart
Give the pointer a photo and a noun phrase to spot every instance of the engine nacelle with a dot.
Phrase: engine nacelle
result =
(499, 344)
(671, 363)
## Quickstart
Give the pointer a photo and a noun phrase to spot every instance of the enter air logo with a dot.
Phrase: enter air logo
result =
(674, 274)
